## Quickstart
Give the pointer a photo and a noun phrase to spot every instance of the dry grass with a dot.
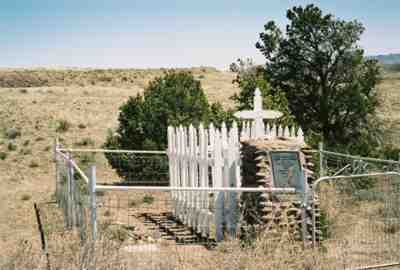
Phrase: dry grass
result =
(36, 112)
(89, 102)
(390, 107)
(67, 253)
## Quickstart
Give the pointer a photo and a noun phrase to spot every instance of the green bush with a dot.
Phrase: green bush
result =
(148, 199)
(3, 155)
(12, 133)
(11, 146)
(173, 99)
(85, 142)
(62, 125)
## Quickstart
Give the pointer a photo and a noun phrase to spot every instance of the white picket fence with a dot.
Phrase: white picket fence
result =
(200, 157)
(270, 131)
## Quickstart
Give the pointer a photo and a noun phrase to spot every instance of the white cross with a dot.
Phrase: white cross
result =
(258, 114)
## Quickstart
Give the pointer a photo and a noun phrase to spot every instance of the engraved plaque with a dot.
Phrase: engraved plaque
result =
(287, 170)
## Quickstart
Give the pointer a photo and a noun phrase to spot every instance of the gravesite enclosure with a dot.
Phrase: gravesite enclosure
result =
(197, 135)
(221, 198)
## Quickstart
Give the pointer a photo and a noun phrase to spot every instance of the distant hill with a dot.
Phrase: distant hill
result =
(44, 77)
(387, 59)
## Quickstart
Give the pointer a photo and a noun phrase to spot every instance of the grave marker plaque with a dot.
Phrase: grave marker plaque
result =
(287, 170)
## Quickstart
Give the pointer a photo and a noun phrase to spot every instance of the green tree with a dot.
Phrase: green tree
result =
(218, 115)
(329, 84)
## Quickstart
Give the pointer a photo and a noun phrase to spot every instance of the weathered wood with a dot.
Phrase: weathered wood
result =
(42, 235)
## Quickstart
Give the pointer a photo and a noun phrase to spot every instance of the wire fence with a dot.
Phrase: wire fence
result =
(352, 223)
(359, 219)
(332, 163)
(126, 167)
(72, 194)
(145, 224)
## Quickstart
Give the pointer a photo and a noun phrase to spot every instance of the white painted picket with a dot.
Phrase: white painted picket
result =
(270, 131)
(200, 157)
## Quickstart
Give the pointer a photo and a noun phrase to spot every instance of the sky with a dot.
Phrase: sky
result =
(165, 33)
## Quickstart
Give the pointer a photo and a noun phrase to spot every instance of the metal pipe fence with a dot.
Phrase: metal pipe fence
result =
(359, 219)
(354, 221)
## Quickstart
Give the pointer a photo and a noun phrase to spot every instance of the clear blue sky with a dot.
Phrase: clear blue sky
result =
(165, 33)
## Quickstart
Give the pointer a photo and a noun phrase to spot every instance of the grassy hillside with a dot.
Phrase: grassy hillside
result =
(389, 90)
(35, 105)
(75, 108)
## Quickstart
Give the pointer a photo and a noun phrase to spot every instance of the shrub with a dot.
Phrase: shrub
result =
(25, 197)
(25, 152)
(39, 139)
(62, 125)
(23, 91)
(11, 146)
(85, 142)
(26, 143)
(174, 99)
(132, 203)
(81, 126)
(149, 199)
(12, 133)
(33, 164)
(3, 155)
(117, 233)
(86, 158)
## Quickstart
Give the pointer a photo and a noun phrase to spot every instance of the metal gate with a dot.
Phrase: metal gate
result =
(359, 219)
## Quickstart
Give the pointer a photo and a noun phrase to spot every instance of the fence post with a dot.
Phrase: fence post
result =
(69, 192)
(71, 172)
(398, 165)
(304, 206)
(321, 160)
(57, 178)
(92, 193)
(314, 221)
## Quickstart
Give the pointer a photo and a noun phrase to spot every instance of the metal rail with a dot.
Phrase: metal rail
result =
(82, 174)
(211, 189)
(112, 151)
(377, 266)
(348, 177)
(360, 158)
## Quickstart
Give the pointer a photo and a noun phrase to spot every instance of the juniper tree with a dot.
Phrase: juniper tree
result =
(318, 64)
